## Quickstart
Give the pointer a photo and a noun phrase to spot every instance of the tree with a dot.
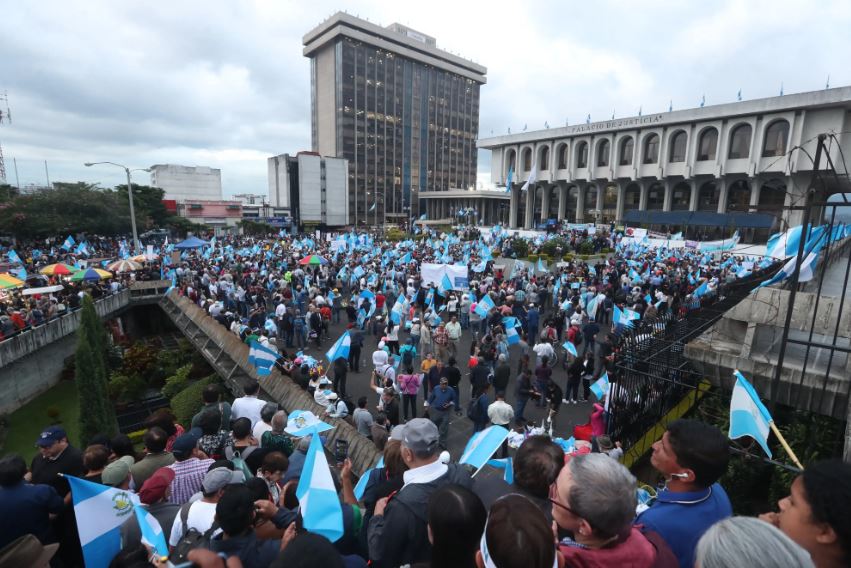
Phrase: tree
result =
(7, 192)
(96, 413)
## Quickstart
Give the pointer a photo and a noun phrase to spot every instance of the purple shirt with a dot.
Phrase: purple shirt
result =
(188, 476)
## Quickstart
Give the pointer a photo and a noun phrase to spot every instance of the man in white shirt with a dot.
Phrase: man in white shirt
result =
(248, 406)
(265, 424)
(453, 332)
(200, 514)
(501, 413)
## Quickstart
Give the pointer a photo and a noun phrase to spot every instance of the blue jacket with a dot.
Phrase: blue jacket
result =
(443, 400)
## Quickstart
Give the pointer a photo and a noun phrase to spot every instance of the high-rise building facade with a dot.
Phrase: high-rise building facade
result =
(187, 182)
(404, 113)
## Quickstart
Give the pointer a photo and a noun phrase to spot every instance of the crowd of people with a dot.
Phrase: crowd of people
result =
(223, 487)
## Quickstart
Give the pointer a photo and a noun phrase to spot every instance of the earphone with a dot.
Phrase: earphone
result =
(680, 475)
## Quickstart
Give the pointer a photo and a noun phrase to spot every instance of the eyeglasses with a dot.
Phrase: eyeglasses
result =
(555, 499)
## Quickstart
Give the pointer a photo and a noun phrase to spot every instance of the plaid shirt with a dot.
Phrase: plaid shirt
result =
(188, 476)
(440, 337)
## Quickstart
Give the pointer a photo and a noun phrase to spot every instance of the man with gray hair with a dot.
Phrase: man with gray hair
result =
(265, 423)
(397, 533)
(594, 499)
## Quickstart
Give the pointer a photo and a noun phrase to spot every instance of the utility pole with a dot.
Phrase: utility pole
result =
(4, 99)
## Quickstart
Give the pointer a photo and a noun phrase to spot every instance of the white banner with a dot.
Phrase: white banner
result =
(433, 274)
(636, 232)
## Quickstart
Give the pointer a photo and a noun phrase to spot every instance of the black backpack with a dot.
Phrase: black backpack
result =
(349, 405)
(191, 538)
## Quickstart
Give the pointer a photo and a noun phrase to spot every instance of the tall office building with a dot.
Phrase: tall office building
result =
(404, 113)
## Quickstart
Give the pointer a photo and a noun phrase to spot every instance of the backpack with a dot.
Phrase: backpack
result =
(407, 357)
(240, 465)
(191, 538)
(473, 409)
(349, 405)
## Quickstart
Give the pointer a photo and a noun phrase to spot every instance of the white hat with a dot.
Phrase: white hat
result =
(331, 395)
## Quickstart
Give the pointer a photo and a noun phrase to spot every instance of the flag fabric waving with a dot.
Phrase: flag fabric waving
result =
(570, 348)
(340, 348)
(360, 488)
(152, 532)
(484, 306)
(100, 511)
(69, 242)
(533, 177)
(506, 464)
(601, 386)
(748, 416)
(262, 358)
(318, 501)
(483, 445)
(508, 181)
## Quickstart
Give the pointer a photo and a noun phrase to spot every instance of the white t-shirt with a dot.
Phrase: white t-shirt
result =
(247, 407)
(259, 428)
(200, 517)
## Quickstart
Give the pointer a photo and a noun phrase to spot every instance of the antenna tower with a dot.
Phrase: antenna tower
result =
(5, 116)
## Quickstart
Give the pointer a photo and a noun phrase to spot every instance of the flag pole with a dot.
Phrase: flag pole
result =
(785, 444)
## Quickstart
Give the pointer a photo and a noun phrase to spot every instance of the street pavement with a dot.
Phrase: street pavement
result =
(461, 427)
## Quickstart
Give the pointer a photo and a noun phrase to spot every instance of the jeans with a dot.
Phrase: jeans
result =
(354, 358)
(465, 320)
(441, 420)
(415, 341)
(409, 401)
(519, 407)
(299, 334)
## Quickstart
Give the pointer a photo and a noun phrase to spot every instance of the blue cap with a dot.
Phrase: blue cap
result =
(50, 436)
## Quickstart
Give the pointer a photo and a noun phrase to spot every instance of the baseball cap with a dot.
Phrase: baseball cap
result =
(217, 478)
(444, 381)
(154, 488)
(184, 444)
(50, 436)
(115, 473)
(398, 433)
(420, 435)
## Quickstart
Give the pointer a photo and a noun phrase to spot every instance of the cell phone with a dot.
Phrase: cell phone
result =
(341, 450)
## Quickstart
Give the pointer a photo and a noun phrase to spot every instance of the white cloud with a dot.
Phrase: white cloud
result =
(224, 84)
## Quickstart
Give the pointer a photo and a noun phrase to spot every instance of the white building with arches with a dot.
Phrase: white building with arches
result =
(703, 170)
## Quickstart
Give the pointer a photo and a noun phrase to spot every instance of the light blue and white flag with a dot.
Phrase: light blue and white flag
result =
(100, 511)
(317, 497)
(152, 532)
(21, 273)
(445, 285)
(340, 348)
(508, 180)
(483, 445)
(480, 267)
(13, 257)
(398, 309)
(262, 358)
(748, 416)
(484, 306)
(69, 242)
(360, 488)
(541, 267)
(570, 348)
(701, 290)
(511, 335)
(506, 464)
(429, 299)
(601, 386)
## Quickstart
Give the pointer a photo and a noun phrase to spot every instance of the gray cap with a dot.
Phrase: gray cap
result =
(398, 433)
(219, 477)
(420, 435)
(115, 473)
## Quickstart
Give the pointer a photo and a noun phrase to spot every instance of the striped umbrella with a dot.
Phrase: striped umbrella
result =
(8, 281)
(90, 274)
(58, 269)
(124, 266)
(313, 259)
(144, 257)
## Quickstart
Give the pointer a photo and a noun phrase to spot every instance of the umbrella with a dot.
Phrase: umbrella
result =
(90, 274)
(143, 257)
(191, 243)
(8, 281)
(313, 259)
(58, 269)
(124, 266)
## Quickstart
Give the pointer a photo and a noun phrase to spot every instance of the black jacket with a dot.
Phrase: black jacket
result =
(400, 536)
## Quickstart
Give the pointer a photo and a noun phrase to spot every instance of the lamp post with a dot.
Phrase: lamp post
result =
(136, 245)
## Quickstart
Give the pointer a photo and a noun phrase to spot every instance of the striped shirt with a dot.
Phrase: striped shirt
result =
(188, 475)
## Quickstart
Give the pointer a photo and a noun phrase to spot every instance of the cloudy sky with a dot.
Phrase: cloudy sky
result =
(223, 83)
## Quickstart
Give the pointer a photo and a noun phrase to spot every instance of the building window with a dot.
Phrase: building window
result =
(512, 158)
(775, 139)
(707, 197)
(582, 155)
(708, 144)
(656, 197)
(632, 196)
(603, 153)
(627, 148)
(681, 197)
(527, 159)
(651, 149)
(562, 157)
(740, 142)
(544, 162)
(678, 147)
(739, 196)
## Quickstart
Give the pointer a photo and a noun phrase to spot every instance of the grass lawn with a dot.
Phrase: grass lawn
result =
(26, 423)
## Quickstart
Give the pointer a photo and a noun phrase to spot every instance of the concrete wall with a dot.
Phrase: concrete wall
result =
(310, 188)
(324, 94)
(187, 182)
(336, 191)
(229, 357)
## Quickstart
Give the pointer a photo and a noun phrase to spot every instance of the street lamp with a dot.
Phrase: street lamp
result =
(127, 170)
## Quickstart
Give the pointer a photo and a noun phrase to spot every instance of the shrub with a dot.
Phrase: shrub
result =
(139, 359)
(586, 248)
(177, 382)
(568, 257)
(186, 403)
(551, 246)
(520, 247)
(394, 234)
(125, 389)
(533, 257)
(53, 414)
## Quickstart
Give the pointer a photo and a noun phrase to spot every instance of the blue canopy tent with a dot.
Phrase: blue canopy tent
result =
(191, 243)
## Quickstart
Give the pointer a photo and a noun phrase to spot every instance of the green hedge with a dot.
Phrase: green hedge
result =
(187, 402)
